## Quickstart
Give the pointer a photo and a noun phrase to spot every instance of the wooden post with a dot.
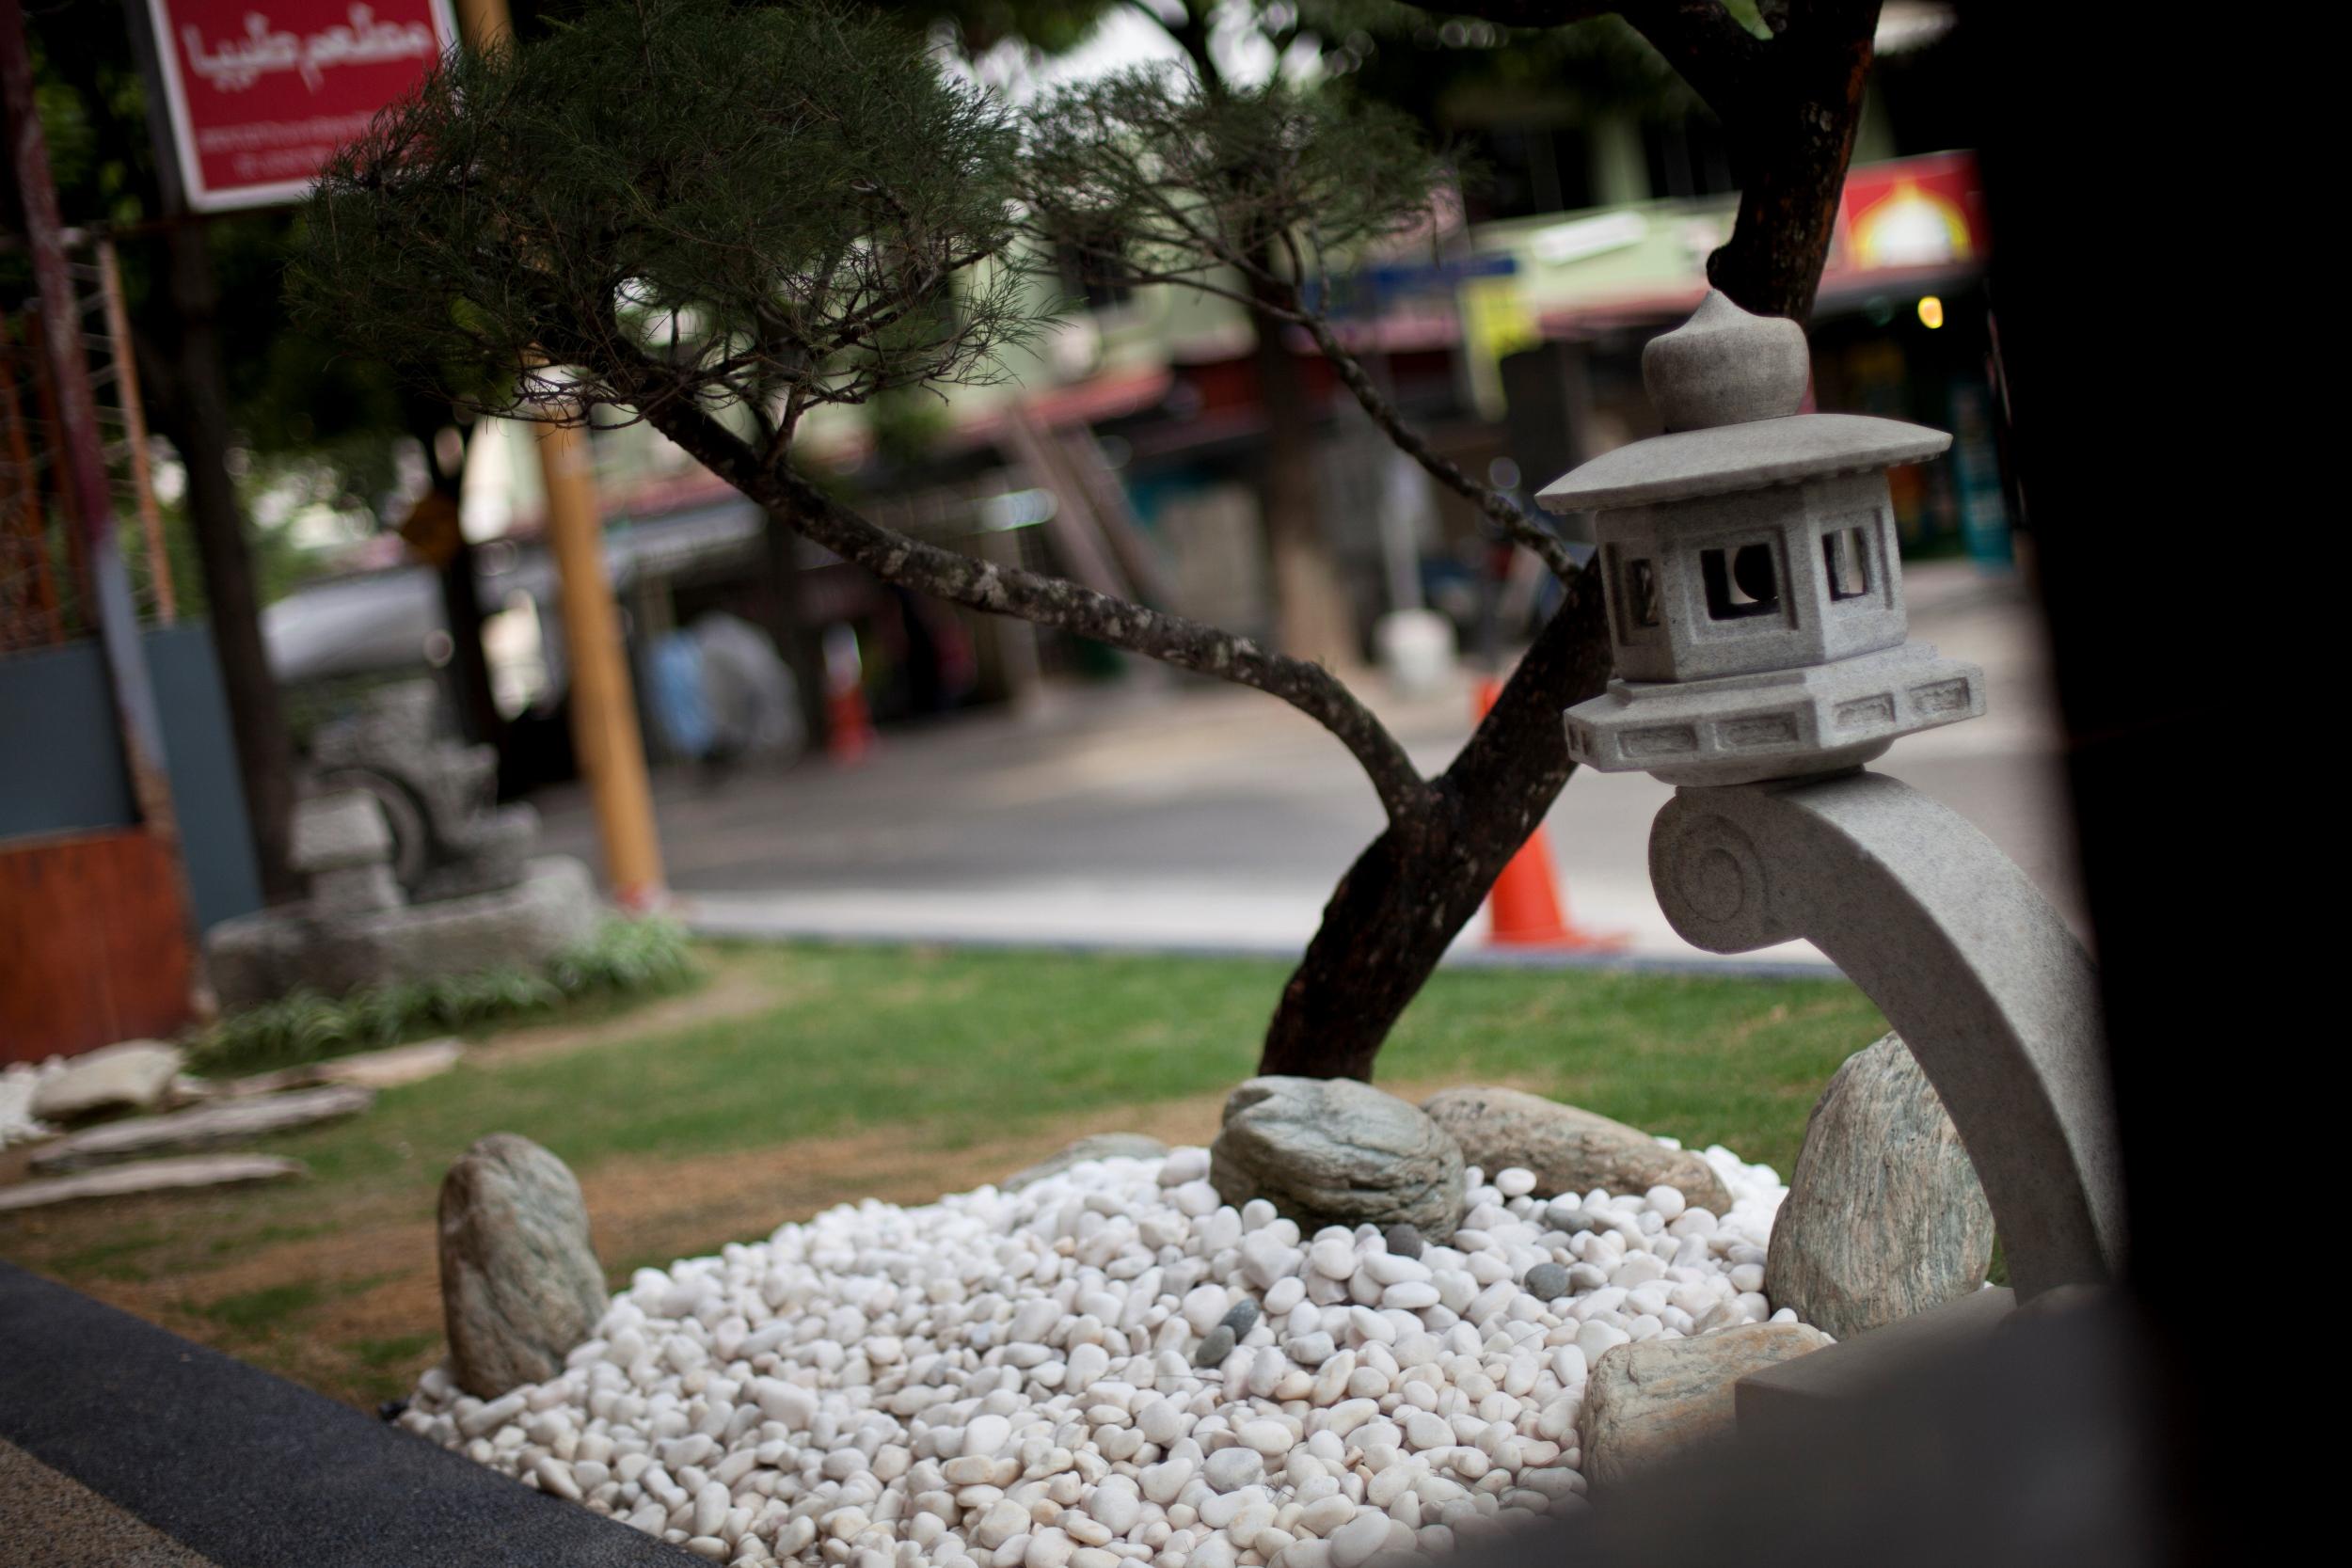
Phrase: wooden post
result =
(134, 432)
(603, 706)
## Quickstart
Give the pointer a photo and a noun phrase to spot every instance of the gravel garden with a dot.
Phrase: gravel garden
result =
(1295, 1323)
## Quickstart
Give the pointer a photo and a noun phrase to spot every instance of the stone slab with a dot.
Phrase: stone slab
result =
(127, 1075)
(259, 956)
(1656, 1399)
(388, 1068)
(149, 1175)
(56, 1521)
(250, 1471)
(339, 832)
(206, 1127)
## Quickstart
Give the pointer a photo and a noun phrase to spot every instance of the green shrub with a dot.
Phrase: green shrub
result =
(624, 956)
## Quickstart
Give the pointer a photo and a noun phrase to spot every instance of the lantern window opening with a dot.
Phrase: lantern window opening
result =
(1643, 607)
(1845, 554)
(1741, 581)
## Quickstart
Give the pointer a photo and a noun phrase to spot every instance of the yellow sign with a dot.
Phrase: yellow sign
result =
(1496, 324)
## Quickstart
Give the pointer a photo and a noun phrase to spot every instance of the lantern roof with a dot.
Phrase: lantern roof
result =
(1728, 384)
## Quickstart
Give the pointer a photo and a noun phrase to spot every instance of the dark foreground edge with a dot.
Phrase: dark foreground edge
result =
(251, 1471)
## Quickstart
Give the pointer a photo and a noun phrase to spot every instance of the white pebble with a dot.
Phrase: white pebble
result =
(1006, 1380)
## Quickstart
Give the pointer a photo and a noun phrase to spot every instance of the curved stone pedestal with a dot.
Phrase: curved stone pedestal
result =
(257, 957)
(1983, 981)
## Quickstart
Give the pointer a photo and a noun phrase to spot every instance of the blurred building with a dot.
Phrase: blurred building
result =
(1123, 449)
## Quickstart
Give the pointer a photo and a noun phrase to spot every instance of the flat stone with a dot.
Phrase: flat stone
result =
(150, 1176)
(520, 1283)
(1570, 1150)
(338, 833)
(206, 1127)
(129, 1075)
(1885, 1216)
(1335, 1151)
(388, 1068)
(1100, 1145)
(1656, 1396)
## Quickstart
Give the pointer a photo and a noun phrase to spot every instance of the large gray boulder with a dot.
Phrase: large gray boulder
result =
(1885, 1216)
(1570, 1150)
(129, 1075)
(1334, 1151)
(520, 1284)
(1655, 1398)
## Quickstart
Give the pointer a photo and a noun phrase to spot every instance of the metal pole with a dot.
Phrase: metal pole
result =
(86, 485)
(603, 706)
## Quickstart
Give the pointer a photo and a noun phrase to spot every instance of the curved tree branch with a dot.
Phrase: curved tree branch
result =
(928, 568)
(1490, 500)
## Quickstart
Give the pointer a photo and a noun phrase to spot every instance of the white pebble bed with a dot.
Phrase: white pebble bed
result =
(18, 1083)
(1006, 1380)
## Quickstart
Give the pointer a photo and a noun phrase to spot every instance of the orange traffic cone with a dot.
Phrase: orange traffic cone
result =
(1525, 908)
(849, 727)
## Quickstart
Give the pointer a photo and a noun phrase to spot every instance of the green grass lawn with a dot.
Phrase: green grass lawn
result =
(931, 1051)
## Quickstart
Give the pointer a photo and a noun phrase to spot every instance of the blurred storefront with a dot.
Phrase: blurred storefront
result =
(1901, 327)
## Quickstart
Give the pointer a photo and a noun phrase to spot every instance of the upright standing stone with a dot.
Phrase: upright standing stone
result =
(1334, 1151)
(1885, 1216)
(520, 1284)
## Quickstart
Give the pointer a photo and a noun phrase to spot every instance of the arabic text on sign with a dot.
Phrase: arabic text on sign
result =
(236, 64)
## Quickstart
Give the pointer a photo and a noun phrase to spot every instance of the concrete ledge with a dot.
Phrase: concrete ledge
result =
(255, 957)
(244, 1469)
(1785, 1401)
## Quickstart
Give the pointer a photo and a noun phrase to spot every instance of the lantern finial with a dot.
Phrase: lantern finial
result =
(1724, 366)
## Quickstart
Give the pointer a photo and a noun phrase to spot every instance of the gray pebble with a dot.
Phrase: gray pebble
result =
(1547, 1282)
(1402, 1240)
(1241, 1317)
(1575, 1222)
(1216, 1346)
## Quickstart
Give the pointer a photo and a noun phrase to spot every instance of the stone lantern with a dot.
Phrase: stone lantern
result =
(1756, 596)
(1755, 599)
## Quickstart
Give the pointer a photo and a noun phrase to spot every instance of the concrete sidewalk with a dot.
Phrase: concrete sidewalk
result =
(1203, 817)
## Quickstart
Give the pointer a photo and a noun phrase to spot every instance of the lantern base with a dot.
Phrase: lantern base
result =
(1773, 723)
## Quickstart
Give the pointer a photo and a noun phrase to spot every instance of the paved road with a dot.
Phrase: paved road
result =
(1203, 817)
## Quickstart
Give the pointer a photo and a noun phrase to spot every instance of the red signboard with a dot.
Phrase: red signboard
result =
(263, 92)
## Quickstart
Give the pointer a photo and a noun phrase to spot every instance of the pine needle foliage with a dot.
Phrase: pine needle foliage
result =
(1149, 176)
(759, 208)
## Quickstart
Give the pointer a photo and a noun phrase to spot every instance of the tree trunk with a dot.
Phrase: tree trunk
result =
(469, 666)
(1312, 618)
(1795, 102)
(1795, 137)
(199, 413)
(459, 579)
(797, 638)
(1410, 893)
